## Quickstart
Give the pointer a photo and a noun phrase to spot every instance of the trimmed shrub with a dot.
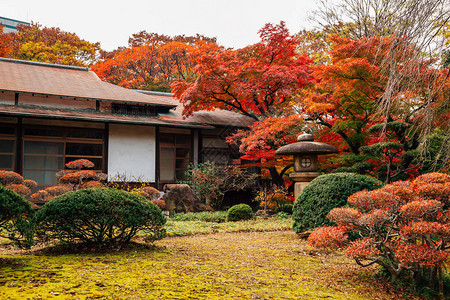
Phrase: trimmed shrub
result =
(99, 216)
(325, 193)
(16, 218)
(239, 212)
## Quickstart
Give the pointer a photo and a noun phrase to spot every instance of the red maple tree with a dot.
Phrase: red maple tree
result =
(257, 81)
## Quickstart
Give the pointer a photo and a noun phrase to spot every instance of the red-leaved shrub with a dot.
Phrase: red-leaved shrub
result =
(402, 227)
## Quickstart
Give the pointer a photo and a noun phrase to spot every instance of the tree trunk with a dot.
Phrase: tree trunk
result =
(441, 283)
(277, 179)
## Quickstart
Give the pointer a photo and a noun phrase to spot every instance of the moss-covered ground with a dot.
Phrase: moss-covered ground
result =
(183, 228)
(245, 265)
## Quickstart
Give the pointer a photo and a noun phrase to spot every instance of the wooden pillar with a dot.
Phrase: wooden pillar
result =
(18, 166)
(106, 148)
(191, 152)
(200, 146)
(157, 154)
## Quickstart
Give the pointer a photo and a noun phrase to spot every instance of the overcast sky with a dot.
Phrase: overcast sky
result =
(234, 23)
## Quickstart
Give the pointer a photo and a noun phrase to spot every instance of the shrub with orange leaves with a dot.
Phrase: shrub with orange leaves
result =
(19, 189)
(147, 192)
(57, 190)
(15, 182)
(160, 203)
(433, 178)
(362, 249)
(80, 164)
(10, 177)
(401, 189)
(328, 237)
(402, 226)
(376, 199)
(91, 184)
(272, 199)
(410, 255)
(344, 216)
(49, 193)
(41, 195)
(423, 228)
(420, 209)
(31, 184)
(79, 178)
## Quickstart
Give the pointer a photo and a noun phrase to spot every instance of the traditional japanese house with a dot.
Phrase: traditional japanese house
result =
(53, 114)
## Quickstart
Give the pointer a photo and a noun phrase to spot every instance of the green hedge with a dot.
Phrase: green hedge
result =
(239, 212)
(99, 216)
(325, 193)
(16, 218)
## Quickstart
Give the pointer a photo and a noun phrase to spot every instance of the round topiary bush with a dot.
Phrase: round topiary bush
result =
(325, 193)
(239, 212)
(16, 218)
(99, 216)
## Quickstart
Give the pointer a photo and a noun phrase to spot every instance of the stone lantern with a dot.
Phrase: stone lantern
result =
(305, 152)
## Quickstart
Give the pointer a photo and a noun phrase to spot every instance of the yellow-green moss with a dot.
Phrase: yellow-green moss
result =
(252, 265)
(182, 228)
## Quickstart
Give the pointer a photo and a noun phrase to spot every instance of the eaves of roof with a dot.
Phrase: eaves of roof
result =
(40, 112)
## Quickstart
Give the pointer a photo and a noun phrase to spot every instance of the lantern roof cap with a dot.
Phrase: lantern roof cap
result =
(306, 145)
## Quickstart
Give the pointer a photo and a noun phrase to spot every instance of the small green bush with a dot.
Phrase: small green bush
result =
(100, 216)
(239, 212)
(205, 216)
(325, 193)
(285, 208)
(16, 218)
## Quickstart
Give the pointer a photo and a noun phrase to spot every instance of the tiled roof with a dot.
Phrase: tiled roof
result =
(66, 81)
(78, 82)
(216, 118)
(11, 110)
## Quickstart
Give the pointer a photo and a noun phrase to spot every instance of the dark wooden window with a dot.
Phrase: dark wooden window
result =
(7, 147)
(216, 150)
(175, 155)
(133, 109)
(46, 150)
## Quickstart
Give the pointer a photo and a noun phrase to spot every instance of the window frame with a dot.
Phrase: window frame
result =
(10, 137)
(64, 139)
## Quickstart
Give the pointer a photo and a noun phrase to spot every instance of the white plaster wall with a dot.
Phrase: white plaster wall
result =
(131, 152)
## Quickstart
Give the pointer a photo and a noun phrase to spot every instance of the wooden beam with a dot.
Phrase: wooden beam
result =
(106, 148)
(200, 146)
(157, 155)
(18, 166)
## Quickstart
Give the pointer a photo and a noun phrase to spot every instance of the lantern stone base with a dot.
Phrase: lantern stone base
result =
(301, 180)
